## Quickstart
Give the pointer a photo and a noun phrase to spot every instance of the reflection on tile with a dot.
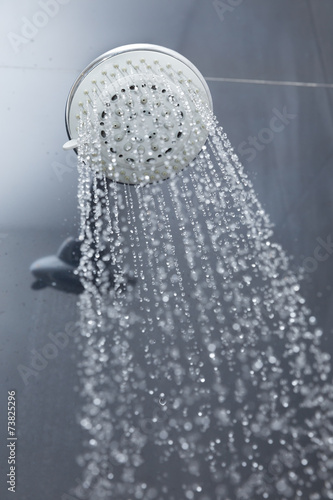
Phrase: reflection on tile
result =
(77, 32)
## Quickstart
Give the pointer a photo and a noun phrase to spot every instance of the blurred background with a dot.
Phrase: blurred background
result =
(269, 69)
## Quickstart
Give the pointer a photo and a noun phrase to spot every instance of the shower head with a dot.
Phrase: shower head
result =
(143, 106)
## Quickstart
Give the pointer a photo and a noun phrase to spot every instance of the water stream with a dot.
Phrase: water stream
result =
(202, 374)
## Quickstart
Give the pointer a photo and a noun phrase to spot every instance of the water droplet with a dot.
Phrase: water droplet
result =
(162, 400)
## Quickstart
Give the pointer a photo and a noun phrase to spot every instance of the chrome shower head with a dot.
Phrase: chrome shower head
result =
(145, 104)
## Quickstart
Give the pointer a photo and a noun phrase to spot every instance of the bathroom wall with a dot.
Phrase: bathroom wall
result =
(269, 69)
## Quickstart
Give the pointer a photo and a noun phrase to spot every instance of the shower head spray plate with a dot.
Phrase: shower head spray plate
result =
(143, 105)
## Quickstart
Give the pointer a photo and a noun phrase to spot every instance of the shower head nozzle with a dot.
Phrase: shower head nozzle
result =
(143, 106)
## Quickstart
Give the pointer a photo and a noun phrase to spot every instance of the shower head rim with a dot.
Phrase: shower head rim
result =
(123, 49)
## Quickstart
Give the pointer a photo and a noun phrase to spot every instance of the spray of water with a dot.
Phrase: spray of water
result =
(201, 370)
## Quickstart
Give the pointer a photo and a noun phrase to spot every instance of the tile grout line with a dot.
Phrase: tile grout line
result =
(269, 82)
(208, 78)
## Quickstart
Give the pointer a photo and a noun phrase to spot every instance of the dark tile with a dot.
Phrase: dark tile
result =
(257, 40)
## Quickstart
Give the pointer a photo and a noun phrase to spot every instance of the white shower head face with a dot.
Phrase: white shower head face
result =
(140, 108)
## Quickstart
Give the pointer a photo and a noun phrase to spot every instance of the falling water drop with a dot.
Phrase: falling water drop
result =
(162, 400)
